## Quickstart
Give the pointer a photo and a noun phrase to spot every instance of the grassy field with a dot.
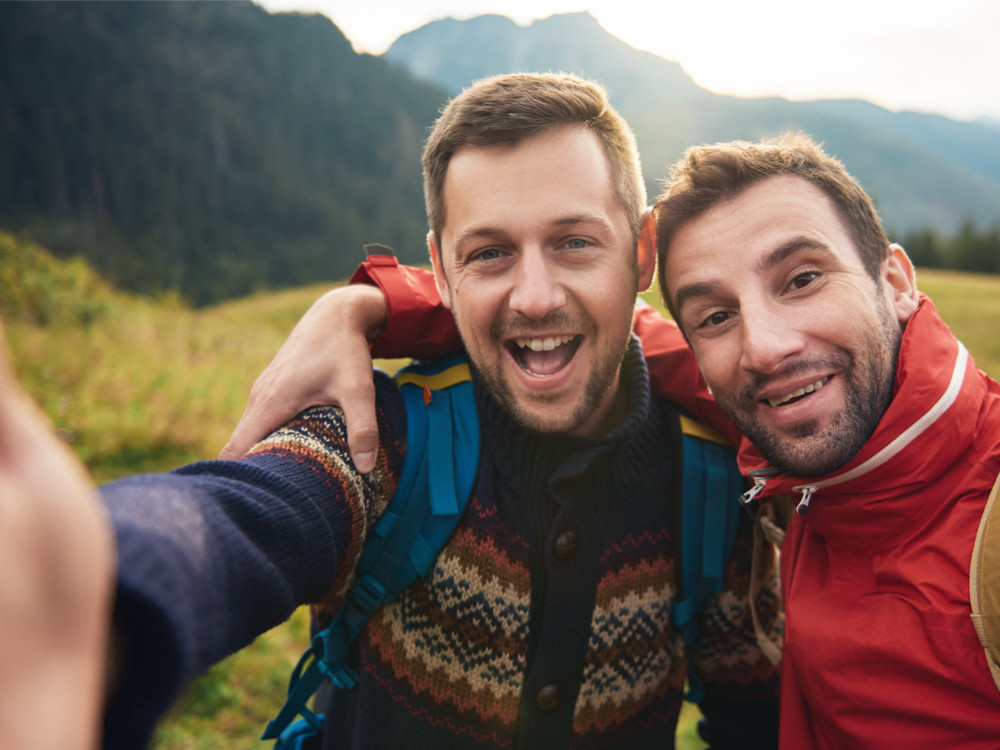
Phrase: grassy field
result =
(137, 385)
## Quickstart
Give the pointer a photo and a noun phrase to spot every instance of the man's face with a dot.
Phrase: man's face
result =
(539, 268)
(796, 340)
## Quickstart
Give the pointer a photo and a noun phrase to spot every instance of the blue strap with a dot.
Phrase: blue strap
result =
(302, 684)
(709, 517)
(716, 500)
(437, 479)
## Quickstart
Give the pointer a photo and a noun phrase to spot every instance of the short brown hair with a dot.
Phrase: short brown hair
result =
(709, 175)
(507, 109)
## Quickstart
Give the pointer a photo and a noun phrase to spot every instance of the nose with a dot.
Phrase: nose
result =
(537, 290)
(769, 338)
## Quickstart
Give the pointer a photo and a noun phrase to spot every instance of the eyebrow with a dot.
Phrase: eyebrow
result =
(791, 247)
(776, 257)
(564, 221)
(691, 291)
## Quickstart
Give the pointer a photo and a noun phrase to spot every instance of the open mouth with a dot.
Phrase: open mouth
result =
(546, 355)
(799, 394)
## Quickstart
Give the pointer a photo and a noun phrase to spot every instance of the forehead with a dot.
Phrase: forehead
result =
(738, 236)
(550, 177)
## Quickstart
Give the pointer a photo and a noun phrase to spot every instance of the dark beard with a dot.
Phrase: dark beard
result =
(868, 393)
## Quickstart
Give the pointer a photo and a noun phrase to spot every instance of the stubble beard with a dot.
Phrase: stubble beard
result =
(868, 381)
(601, 380)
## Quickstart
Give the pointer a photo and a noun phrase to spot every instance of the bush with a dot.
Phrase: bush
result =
(37, 288)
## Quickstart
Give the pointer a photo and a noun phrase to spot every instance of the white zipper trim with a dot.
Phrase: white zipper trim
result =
(911, 432)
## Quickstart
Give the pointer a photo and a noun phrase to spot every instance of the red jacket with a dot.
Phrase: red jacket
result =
(880, 650)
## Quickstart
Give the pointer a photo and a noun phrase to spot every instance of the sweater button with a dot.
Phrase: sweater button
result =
(566, 545)
(549, 697)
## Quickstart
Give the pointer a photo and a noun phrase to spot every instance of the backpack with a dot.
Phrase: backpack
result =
(707, 516)
(435, 484)
(984, 583)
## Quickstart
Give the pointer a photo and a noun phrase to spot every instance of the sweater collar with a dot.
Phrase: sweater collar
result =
(612, 461)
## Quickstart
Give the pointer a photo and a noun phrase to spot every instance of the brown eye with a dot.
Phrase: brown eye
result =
(716, 319)
(804, 279)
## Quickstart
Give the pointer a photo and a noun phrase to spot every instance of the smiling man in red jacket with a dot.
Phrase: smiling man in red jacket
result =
(854, 397)
(857, 400)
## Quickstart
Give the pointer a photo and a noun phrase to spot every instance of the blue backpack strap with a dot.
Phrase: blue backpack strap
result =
(442, 431)
(437, 479)
(709, 516)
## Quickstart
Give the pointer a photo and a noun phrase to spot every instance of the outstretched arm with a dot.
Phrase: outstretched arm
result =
(56, 560)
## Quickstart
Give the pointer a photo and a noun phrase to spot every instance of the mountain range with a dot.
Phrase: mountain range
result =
(214, 148)
(923, 170)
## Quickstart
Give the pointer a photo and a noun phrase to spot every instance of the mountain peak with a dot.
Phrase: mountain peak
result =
(454, 53)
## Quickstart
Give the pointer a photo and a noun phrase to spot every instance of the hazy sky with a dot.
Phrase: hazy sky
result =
(940, 56)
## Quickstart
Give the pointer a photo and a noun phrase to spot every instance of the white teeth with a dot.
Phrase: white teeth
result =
(800, 392)
(544, 345)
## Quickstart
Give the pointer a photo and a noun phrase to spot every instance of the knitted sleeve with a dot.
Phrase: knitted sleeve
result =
(217, 552)
(740, 704)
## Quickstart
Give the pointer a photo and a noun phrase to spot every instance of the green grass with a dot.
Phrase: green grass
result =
(970, 304)
(138, 385)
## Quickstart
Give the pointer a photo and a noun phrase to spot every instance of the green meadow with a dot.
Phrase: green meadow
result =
(137, 384)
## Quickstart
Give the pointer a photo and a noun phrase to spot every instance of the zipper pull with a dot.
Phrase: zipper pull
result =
(807, 492)
(758, 486)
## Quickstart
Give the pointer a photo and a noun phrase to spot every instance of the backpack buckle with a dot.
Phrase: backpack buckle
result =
(368, 594)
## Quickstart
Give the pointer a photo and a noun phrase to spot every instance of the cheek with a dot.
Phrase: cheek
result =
(716, 365)
(474, 312)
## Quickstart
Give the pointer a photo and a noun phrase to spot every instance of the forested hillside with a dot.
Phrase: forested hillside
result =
(214, 149)
(205, 146)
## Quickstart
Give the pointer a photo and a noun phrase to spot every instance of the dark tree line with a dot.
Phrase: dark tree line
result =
(203, 146)
(214, 149)
(969, 249)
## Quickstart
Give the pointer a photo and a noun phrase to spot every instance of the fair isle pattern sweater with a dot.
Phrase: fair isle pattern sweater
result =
(544, 624)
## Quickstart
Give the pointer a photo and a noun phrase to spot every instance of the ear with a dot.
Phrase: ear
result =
(439, 278)
(900, 281)
(646, 252)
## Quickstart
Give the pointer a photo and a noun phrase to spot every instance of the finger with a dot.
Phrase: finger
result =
(361, 424)
(264, 414)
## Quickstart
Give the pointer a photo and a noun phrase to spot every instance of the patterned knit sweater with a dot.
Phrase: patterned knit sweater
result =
(544, 624)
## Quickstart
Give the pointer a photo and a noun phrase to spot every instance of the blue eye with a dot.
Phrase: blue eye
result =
(577, 244)
(490, 253)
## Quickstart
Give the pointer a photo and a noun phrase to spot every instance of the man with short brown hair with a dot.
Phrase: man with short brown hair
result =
(856, 400)
(546, 619)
